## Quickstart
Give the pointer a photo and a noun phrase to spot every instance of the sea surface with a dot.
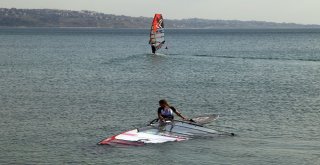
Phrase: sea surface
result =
(62, 90)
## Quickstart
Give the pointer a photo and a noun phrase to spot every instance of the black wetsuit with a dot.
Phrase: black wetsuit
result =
(167, 116)
(153, 48)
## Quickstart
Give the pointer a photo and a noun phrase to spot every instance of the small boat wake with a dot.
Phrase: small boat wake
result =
(160, 54)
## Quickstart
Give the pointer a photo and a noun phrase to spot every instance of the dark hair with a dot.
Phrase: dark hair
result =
(164, 102)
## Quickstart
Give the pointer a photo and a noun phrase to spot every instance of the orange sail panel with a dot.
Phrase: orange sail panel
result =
(157, 32)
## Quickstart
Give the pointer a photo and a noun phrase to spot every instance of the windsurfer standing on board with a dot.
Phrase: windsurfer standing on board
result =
(153, 48)
(165, 111)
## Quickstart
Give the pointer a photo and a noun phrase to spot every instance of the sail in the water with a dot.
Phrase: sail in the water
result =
(157, 33)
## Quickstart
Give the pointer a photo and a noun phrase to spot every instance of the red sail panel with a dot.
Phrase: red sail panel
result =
(157, 22)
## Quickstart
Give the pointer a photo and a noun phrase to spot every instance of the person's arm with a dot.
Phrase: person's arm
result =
(159, 115)
(178, 113)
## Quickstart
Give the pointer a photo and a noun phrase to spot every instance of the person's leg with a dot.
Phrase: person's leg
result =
(153, 49)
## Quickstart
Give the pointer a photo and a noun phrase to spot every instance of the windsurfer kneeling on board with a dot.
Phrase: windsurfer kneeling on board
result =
(165, 112)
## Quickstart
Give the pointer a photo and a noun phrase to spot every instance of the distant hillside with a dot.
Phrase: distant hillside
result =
(67, 18)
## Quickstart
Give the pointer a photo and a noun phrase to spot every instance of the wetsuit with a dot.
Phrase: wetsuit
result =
(153, 48)
(167, 113)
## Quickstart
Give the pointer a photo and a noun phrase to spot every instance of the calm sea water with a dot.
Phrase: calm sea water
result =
(64, 90)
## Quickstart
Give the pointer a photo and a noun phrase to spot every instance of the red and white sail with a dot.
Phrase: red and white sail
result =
(157, 32)
(155, 132)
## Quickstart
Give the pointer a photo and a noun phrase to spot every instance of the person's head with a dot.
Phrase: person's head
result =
(163, 103)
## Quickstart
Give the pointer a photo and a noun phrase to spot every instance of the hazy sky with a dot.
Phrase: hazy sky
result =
(297, 11)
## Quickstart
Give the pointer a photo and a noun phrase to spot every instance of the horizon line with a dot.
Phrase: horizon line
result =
(100, 12)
